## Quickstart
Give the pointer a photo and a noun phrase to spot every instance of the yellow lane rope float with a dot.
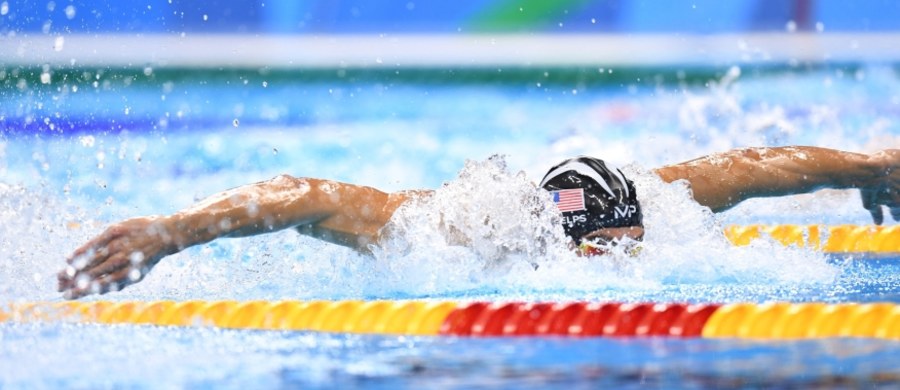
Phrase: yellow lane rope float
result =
(831, 239)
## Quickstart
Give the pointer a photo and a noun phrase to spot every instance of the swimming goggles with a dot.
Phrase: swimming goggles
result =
(589, 248)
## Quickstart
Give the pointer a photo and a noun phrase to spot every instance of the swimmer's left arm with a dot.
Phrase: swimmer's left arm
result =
(123, 254)
(721, 181)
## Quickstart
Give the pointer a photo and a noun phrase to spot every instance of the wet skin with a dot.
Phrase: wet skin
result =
(353, 216)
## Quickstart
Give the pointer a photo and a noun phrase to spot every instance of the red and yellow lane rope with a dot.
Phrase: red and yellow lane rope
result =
(481, 319)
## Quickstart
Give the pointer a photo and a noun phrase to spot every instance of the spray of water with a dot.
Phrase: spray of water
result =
(33, 226)
(486, 222)
(685, 243)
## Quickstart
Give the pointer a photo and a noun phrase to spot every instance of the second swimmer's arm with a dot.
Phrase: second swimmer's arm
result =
(723, 180)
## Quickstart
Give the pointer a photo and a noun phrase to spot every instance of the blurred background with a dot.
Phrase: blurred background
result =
(386, 33)
(432, 16)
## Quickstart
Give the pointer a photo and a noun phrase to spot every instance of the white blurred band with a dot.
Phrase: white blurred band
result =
(288, 51)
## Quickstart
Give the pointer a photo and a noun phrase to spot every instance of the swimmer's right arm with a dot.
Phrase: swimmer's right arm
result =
(347, 214)
(723, 180)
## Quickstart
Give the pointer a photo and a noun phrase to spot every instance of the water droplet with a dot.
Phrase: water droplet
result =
(205, 17)
(87, 141)
(58, 43)
(4, 8)
(70, 12)
(236, 122)
(148, 71)
(265, 84)
(82, 281)
(252, 209)
(45, 78)
(274, 150)
(136, 257)
(791, 26)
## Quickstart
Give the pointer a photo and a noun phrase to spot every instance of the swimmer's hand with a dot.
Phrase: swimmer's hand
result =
(120, 256)
(884, 189)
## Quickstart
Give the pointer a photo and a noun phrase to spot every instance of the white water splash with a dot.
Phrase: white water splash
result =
(685, 243)
(33, 226)
(484, 223)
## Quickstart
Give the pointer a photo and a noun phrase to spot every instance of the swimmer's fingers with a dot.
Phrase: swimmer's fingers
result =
(95, 262)
(112, 282)
(883, 189)
(113, 264)
(64, 280)
(871, 202)
(894, 206)
(895, 213)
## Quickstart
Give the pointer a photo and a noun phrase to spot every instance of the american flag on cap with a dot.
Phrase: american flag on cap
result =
(569, 200)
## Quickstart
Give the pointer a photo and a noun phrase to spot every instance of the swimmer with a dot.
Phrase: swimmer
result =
(598, 204)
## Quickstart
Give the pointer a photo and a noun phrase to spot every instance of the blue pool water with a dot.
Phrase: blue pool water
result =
(88, 148)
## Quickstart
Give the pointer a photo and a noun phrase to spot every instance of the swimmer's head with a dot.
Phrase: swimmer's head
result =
(593, 199)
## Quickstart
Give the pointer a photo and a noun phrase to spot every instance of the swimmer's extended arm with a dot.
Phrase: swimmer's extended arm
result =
(723, 180)
(347, 214)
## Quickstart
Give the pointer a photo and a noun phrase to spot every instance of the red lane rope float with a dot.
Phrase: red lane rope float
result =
(484, 319)
(578, 319)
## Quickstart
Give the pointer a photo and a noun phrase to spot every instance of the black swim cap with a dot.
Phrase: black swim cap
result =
(592, 196)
